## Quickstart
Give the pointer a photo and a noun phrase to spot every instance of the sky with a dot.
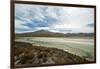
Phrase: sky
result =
(30, 18)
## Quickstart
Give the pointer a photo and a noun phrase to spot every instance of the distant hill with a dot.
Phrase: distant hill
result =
(46, 33)
(40, 33)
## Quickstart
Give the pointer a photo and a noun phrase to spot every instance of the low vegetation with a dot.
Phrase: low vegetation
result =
(26, 54)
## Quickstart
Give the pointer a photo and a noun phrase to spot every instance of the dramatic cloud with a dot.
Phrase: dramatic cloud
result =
(30, 18)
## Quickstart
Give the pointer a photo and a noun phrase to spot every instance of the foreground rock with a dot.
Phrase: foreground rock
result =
(27, 54)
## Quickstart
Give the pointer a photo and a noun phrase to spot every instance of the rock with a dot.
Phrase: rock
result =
(43, 55)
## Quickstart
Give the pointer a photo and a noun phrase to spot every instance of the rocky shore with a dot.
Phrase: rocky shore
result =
(28, 54)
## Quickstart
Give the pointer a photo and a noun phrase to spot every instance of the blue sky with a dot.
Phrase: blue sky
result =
(30, 18)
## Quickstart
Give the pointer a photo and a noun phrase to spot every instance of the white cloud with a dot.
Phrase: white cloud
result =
(19, 24)
(75, 19)
(68, 18)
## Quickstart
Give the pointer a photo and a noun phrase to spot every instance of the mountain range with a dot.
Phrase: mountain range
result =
(46, 33)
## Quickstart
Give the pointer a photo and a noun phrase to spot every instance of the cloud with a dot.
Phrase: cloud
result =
(56, 19)
(90, 25)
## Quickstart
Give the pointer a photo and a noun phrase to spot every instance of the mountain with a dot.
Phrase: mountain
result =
(46, 33)
(40, 33)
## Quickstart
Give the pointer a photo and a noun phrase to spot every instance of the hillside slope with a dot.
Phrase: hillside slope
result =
(27, 54)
